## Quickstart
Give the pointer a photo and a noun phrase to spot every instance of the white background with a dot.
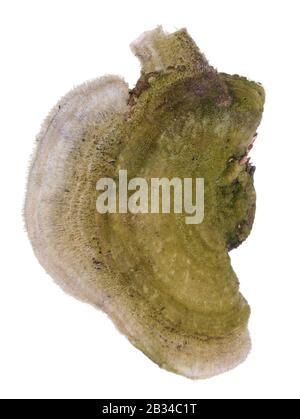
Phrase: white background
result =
(52, 345)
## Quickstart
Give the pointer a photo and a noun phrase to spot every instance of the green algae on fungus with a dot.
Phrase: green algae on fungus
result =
(168, 286)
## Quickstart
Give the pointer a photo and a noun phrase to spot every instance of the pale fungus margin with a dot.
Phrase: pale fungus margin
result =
(169, 287)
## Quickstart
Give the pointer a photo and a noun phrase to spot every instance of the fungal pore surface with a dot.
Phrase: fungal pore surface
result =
(168, 285)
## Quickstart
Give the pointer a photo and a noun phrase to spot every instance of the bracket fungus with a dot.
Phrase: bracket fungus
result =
(167, 285)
